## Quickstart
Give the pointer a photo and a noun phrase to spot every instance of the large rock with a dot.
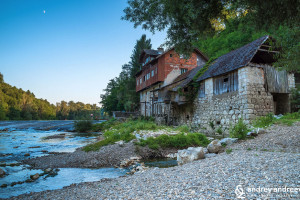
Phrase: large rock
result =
(228, 141)
(2, 172)
(190, 154)
(215, 147)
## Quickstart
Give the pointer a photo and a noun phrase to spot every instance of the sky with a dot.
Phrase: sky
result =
(66, 50)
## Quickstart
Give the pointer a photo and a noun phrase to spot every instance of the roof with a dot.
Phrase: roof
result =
(183, 79)
(233, 60)
(151, 52)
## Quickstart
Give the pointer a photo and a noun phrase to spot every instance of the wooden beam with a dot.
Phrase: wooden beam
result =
(265, 50)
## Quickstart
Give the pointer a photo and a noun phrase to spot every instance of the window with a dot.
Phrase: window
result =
(171, 55)
(226, 83)
(141, 80)
(144, 78)
(183, 70)
(155, 70)
(181, 56)
(152, 73)
(202, 89)
(137, 82)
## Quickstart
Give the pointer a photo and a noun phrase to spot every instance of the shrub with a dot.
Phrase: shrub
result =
(228, 151)
(264, 121)
(175, 141)
(183, 129)
(83, 126)
(219, 131)
(239, 130)
(105, 125)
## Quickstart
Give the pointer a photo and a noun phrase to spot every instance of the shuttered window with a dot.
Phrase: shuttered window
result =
(226, 83)
(202, 89)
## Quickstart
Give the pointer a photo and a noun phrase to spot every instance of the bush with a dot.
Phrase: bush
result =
(105, 125)
(175, 141)
(83, 126)
(239, 130)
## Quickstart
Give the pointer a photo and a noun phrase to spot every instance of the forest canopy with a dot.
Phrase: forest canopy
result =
(17, 104)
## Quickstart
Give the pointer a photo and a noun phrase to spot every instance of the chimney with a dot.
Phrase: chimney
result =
(160, 49)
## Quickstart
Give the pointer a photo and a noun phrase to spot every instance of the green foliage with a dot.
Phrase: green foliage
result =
(212, 125)
(175, 141)
(83, 126)
(116, 131)
(217, 27)
(239, 130)
(228, 151)
(120, 93)
(219, 130)
(264, 121)
(105, 125)
(183, 129)
(295, 100)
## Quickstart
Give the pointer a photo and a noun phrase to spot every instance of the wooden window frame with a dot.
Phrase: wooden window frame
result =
(226, 83)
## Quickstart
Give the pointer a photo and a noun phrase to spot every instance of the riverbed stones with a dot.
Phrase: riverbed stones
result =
(35, 176)
(48, 170)
(2, 172)
(26, 154)
(120, 143)
(228, 141)
(190, 154)
(215, 147)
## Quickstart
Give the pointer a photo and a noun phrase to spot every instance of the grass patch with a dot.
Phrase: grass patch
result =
(115, 131)
(249, 149)
(288, 119)
(175, 141)
(183, 129)
(228, 151)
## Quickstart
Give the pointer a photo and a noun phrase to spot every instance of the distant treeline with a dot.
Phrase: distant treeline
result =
(16, 104)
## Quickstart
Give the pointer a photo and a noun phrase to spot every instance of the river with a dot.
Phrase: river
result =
(28, 139)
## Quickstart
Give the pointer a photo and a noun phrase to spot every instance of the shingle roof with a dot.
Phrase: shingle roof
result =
(183, 79)
(234, 59)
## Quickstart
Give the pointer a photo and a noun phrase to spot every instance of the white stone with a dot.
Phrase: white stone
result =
(190, 154)
(228, 141)
(214, 147)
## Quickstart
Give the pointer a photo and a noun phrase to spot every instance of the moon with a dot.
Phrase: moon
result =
(44, 11)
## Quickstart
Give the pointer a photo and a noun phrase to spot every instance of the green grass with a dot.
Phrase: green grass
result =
(228, 151)
(175, 141)
(115, 131)
(288, 119)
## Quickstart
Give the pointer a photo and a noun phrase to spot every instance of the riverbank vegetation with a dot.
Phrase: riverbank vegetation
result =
(287, 119)
(17, 104)
(114, 131)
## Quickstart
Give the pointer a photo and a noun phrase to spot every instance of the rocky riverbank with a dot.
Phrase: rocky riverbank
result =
(107, 156)
(270, 160)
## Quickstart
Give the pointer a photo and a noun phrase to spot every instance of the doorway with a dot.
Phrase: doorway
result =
(281, 103)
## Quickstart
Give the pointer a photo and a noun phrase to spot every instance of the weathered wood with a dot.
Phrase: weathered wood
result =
(269, 51)
(277, 81)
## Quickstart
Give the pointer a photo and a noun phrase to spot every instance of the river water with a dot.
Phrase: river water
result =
(22, 140)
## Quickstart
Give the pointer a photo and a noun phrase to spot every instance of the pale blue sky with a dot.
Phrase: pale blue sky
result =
(69, 52)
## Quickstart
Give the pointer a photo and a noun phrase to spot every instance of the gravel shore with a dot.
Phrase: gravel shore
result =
(107, 156)
(271, 160)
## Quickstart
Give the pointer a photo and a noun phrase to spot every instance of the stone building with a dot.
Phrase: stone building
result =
(239, 84)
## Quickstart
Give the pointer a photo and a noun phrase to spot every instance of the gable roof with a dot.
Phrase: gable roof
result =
(234, 60)
(183, 79)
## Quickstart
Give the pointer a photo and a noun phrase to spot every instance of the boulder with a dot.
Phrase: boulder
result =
(26, 154)
(120, 143)
(252, 133)
(35, 176)
(190, 154)
(2, 172)
(228, 141)
(261, 131)
(214, 147)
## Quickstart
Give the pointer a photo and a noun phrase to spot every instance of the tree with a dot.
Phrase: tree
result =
(191, 21)
(120, 93)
